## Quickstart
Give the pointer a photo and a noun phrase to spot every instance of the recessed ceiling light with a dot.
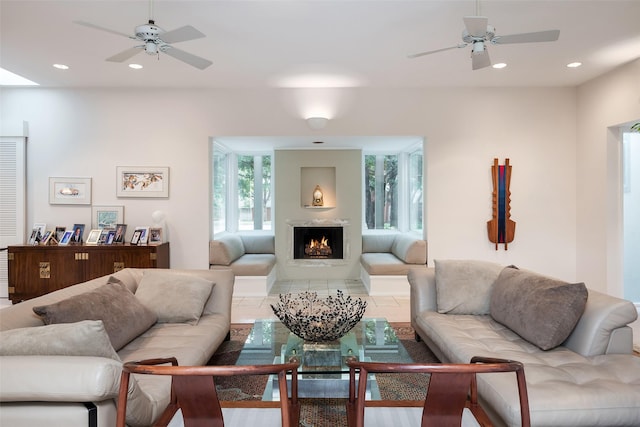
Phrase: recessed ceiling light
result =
(574, 64)
(61, 66)
(499, 65)
(318, 142)
(135, 66)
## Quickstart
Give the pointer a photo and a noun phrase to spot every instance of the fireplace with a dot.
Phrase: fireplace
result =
(317, 243)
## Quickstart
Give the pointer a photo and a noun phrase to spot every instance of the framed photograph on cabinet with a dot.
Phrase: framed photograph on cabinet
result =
(60, 232)
(48, 235)
(66, 238)
(93, 237)
(135, 239)
(155, 235)
(107, 216)
(120, 233)
(69, 191)
(142, 181)
(144, 235)
(78, 232)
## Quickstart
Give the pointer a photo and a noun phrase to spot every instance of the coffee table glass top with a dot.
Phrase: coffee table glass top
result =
(370, 340)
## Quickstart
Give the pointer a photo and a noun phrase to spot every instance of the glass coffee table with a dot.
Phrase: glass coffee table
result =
(323, 371)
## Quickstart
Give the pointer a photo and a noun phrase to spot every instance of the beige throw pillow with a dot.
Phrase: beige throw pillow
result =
(540, 309)
(84, 338)
(175, 298)
(123, 315)
(464, 286)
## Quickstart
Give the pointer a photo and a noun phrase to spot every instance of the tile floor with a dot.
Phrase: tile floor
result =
(247, 309)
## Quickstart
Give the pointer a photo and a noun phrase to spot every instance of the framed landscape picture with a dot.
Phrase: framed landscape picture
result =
(107, 216)
(142, 181)
(69, 191)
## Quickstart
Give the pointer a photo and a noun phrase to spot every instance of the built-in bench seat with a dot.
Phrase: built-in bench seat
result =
(387, 258)
(251, 257)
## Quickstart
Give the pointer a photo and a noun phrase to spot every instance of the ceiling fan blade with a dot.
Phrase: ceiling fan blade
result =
(476, 25)
(540, 36)
(480, 60)
(188, 58)
(124, 55)
(416, 55)
(97, 27)
(181, 34)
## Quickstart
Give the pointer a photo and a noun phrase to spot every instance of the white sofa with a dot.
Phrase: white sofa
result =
(386, 259)
(68, 374)
(251, 257)
(588, 378)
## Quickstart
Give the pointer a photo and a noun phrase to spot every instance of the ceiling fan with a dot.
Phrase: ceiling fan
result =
(479, 34)
(155, 40)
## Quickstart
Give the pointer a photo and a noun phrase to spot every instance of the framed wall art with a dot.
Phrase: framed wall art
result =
(142, 181)
(69, 191)
(106, 216)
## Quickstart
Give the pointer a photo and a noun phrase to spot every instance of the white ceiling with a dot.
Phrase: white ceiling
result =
(317, 43)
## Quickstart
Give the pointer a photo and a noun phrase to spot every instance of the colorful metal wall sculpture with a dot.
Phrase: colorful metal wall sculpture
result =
(501, 228)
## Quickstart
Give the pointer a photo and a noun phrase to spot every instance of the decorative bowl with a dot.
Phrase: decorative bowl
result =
(317, 319)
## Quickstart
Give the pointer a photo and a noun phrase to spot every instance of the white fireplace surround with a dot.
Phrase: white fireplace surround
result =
(346, 248)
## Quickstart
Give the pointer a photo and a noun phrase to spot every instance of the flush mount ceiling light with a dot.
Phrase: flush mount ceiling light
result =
(316, 123)
(135, 66)
(499, 65)
(574, 64)
(61, 66)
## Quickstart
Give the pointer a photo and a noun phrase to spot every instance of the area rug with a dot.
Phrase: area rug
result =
(325, 412)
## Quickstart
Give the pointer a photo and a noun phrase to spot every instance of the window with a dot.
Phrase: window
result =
(393, 196)
(254, 192)
(241, 190)
(381, 191)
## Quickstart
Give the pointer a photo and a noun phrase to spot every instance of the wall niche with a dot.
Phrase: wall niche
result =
(323, 177)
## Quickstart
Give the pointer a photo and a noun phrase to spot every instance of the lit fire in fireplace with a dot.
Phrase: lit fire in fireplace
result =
(318, 248)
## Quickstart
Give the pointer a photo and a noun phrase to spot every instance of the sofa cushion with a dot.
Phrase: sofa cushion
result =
(84, 338)
(225, 249)
(410, 249)
(254, 265)
(378, 243)
(464, 286)
(174, 298)
(385, 264)
(258, 244)
(540, 309)
(123, 315)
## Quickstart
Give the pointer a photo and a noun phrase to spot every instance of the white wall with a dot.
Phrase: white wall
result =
(603, 104)
(89, 132)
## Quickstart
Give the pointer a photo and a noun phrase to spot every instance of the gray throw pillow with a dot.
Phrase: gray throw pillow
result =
(464, 286)
(540, 309)
(85, 338)
(123, 315)
(175, 298)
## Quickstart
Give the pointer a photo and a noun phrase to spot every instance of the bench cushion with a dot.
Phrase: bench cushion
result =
(258, 244)
(254, 265)
(410, 249)
(225, 249)
(377, 264)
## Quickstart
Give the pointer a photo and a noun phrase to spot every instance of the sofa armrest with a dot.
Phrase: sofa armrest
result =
(58, 378)
(601, 328)
(422, 283)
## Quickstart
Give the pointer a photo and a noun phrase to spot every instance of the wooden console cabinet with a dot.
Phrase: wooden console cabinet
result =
(37, 270)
